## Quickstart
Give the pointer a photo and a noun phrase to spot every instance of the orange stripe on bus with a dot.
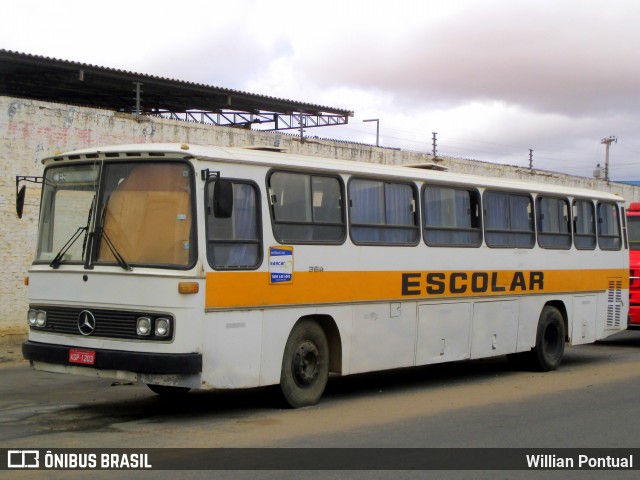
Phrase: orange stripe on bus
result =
(253, 289)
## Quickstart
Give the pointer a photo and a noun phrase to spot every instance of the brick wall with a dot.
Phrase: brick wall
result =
(32, 130)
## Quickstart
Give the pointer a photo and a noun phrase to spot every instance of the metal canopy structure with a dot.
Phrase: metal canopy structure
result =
(43, 78)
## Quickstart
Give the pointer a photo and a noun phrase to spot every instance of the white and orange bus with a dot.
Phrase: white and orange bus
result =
(183, 266)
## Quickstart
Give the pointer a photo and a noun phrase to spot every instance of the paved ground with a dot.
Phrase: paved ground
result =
(591, 401)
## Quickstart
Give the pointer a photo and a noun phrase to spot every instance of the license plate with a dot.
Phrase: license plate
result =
(84, 357)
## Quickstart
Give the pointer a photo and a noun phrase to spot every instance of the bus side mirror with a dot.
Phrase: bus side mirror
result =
(222, 198)
(20, 194)
(20, 200)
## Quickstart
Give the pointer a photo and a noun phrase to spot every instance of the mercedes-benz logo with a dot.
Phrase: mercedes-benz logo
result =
(86, 322)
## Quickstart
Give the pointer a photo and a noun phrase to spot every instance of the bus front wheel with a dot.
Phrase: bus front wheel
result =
(550, 339)
(305, 364)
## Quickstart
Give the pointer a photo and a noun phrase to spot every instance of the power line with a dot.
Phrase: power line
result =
(473, 148)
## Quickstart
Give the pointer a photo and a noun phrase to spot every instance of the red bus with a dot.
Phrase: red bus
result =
(633, 221)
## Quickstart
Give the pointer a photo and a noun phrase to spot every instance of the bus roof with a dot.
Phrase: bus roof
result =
(271, 158)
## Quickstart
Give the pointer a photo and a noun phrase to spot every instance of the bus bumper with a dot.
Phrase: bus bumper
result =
(137, 362)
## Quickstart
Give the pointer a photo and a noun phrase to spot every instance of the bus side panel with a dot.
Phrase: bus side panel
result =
(384, 336)
(583, 326)
(232, 343)
(444, 332)
(529, 315)
(494, 329)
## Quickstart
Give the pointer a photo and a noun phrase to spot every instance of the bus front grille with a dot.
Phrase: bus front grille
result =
(108, 323)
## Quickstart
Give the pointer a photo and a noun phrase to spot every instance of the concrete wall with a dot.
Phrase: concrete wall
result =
(32, 130)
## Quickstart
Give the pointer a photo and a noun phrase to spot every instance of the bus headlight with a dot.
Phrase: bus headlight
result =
(143, 326)
(41, 318)
(163, 327)
(31, 317)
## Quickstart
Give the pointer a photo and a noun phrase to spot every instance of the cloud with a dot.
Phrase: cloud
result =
(562, 57)
(216, 43)
(493, 78)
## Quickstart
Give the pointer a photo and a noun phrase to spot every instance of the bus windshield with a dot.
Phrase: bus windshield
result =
(142, 215)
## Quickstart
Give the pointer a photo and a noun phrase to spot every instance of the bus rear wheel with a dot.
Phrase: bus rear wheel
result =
(550, 339)
(305, 364)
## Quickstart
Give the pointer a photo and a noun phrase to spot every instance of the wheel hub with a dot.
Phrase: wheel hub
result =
(551, 341)
(305, 363)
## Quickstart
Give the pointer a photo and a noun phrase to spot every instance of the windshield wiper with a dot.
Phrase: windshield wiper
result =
(59, 258)
(114, 251)
(101, 234)
(55, 263)
(86, 234)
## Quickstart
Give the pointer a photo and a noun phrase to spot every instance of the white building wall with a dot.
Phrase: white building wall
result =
(32, 130)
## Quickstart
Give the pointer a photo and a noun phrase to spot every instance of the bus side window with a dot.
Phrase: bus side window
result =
(383, 213)
(451, 216)
(584, 225)
(235, 242)
(306, 208)
(508, 220)
(554, 229)
(608, 226)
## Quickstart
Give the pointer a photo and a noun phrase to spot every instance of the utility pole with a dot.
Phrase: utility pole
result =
(530, 159)
(607, 142)
(434, 151)
(138, 90)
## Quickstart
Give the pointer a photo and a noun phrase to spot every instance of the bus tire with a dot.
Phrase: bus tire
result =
(550, 338)
(167, 390)
(305, 364)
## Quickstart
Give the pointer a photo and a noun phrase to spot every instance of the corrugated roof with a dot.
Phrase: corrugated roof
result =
(62, 81)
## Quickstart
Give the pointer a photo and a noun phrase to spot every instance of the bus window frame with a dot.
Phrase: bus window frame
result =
(387, 227)
(311, 174)
(479, 230)
(208, 210)
(538, 224)
(532, 232)
(577, 235)
(618, 223)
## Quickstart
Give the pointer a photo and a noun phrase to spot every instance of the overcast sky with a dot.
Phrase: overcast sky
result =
(494, 78)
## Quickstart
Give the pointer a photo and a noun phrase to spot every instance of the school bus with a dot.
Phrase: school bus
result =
(192, 267)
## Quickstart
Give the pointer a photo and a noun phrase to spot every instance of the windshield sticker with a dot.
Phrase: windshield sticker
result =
(280, 265)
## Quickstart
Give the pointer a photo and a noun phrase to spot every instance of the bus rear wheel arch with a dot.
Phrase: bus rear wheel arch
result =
(305, 364)
(548, 352)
